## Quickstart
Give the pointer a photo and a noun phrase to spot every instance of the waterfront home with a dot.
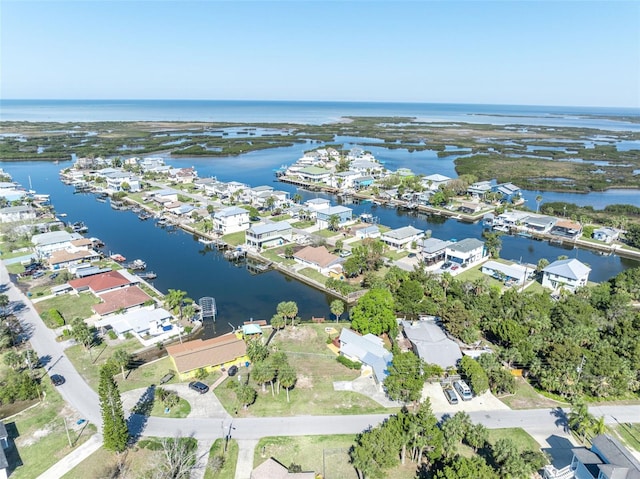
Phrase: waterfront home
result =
(202, 183)
(163, 196)
(539, 223)
(355, 153)
(433, 250)
(139, 322)
(272, 469)
(318, 258)
(509, 274)
(470, 207)
(279, 199)
(117, 179)
(509, 191)
(180, 209)
(567, 229)
(371, 231)
(266, 235)
(424, 197)
(466, 252)
(362, 182)
(607, 459)
(433, 182)
(367, 166)
(47, 243)
(509, 219)
(368, 350)
(323, 216)
(343, 179)
(231, 220)
(120, 300)
(567, 274)
(63, 259)
(479, 189)
(606, 234)
(256, 196)
(101, 283)
(183, 175)
(402, 237)
(313, 174)
(17, 213)
(4, 445)
(151, 163)
(11, 193)
(316, 204)
(430, 343)
(223, 351)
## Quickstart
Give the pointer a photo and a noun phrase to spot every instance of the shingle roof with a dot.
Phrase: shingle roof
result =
(317, 255)
(212, 352)
(269, 227)
(368, 349)
(272, 469)
(100, 282)
(123, 298)
(230, 211)
(568, 268)
(617, 455)
(403, 233)
(432, 344)
(466, 245)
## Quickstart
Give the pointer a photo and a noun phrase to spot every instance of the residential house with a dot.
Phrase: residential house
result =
(180, 209)
(151, 163)
(606, 234)
(402, 237)
(163, 196)
(430, 343)
(509, 219)
(508, 273)
(567, 229)
(17, 213)
(540, 223)
(231, 220)
(362, 182)
(565, 273)
(479, 189)
(317, 257)
(466, 252)
(64, 258)
(141, 322)
(470, 207)
(183, 175)
(314, 174)
(117, 179)
(47, 243)
(121, 299)
(367, 166)
(272, 469)
(101, 283)
(607, 459)
(202, 183)
(371, 231)
(343, 179)
(316, 204)
(266, 235)
(433, 182)
(4, 446)
(433, 250)
(509, 191)
(222, 351)
(323, 217)
(368, 350)
(278, 199)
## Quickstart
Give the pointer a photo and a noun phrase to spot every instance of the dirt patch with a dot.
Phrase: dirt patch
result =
(34, 437)
(297, 334)
(304, 382)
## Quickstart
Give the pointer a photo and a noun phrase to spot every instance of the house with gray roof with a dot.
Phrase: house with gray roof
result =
(433, 182)
(568, 274)
(231, 220)
(272, 469)
(466, 252)
(371, 231)
(607, 459)
(540, 223)
(433, 250)
(430, 343)
(367, 349)
(479, 188)
(402, 237)
(17, 213)
(266, 235)
(47, 243)
(343, 213)
(508, 273)
(606, 234)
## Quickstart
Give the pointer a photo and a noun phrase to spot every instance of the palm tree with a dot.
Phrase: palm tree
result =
(287, 377)
(288, 310)
(122, 359)
(297, 198)
(337, 308)
(334, 222)
(174, 298)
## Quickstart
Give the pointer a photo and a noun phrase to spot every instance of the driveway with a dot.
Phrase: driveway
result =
(440, 405)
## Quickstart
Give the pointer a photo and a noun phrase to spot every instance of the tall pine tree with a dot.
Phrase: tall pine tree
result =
(115, 432)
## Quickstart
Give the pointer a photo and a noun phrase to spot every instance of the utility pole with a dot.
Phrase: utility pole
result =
(67, 429)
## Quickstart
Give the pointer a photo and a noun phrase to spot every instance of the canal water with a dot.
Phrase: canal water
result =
(181, 262)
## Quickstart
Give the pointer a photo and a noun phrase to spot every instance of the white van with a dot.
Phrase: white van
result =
(463, 390)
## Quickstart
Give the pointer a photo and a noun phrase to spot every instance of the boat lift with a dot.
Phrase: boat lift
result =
(208, 308)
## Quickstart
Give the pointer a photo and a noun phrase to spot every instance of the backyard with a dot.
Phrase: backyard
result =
(70, 306)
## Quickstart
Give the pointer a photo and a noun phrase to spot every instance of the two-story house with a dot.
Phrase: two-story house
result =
(466, 252)
(565, 273)
(231, 220)
(266, 235)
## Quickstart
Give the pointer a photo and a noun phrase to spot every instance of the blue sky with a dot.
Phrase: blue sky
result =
(510, 52)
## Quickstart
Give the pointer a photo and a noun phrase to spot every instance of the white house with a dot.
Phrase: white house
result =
(231, 220)
(47, 243)
(344, 179)
(317, 257)
(116, 179)
(402, 237)
(433, 250)
(314, 174)
(17, 213)
(266, 235)
(565, 273)
(480, 188)
(540, 223)
(606, 234)
(141, 322)
(466, 252)
(370, 231)
(316, 204)
(433, 182)
(323, 217)
(508, 273)
(367, 349)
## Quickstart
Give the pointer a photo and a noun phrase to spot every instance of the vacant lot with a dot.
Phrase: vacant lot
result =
(70, 306)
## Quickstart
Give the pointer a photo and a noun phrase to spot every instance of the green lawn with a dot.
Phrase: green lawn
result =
(70, 306)
(281, 218)
(519, 436)
(303, 224)
(228, 470)
(316, 369)
(40, 437)
(630, 434)
(326, 455)
(526, 397)
(182, 409)
(234, 239)
(394, 255)
(101, 464)
(146, 375)
(326, 233)
(274, 255)
(314, 275)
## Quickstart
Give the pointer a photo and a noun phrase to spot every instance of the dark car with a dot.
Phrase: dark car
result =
(198, 386)
(445, 265)
(451, 396)
(57, 380)
(233, 370)
(53, 276)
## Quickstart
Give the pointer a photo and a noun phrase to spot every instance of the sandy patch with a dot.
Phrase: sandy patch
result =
(304, 382)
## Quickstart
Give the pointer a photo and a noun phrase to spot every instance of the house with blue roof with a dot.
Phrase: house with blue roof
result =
(368, 350)
(344, 214)
(231, 220)
(568, 274)
(266, 235)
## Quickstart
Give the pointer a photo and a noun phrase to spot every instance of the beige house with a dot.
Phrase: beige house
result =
(272, 469)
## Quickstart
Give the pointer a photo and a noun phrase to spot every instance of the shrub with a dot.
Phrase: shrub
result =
(348, 363)
(55, 317)
(112, 334)
(201, 374)
(478, 380)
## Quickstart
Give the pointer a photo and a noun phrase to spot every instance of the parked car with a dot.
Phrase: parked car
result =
(38, 274)
(445, 265)
(233, 370)
(344, 253)
(463, 390)
(198, 387)
(54, 276)
(57, 379)
(455, 267)
(451, 395)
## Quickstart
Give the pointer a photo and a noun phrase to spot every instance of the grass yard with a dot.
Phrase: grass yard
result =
(326, 455)
(145, 375)
(228, 470)
(70, 306)
(316, 369)
(394, 255)
(274, 255)
(102, 463)
(526, 397)
(314, 275)
(326, 233)
(303, 224)
(281, 218)
(519, 436)
(234, 239)
(39, 435)
(88, 362)
(630, 434)
(182, 409)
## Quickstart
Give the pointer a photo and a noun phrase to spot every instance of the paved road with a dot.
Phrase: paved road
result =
(543, 424)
